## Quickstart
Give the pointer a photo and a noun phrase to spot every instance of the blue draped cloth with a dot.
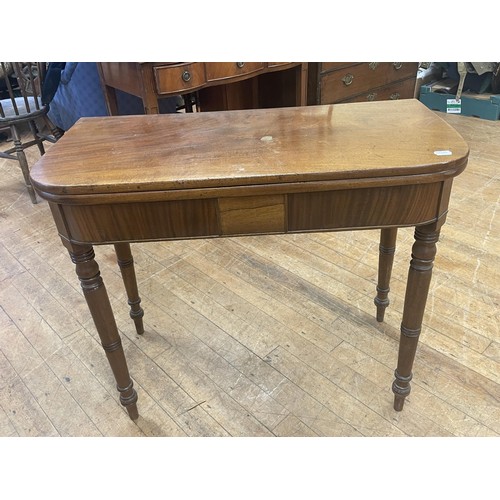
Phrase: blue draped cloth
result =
(79, 93)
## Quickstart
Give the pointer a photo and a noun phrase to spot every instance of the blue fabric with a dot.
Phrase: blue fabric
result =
(80, 94)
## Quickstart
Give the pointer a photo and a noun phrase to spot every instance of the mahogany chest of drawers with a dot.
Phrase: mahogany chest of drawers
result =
(333, 82)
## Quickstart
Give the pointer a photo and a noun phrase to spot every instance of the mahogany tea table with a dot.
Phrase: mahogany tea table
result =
(124, 179)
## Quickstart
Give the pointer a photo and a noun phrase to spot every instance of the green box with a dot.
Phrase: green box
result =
(486, 106)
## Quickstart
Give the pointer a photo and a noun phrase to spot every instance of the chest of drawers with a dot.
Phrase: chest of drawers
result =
(334, 82)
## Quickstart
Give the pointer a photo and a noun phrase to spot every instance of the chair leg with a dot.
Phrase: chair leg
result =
(36, 135)
(55, 131)
(23, 162)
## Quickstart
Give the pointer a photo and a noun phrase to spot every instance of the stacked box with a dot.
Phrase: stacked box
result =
(436, 97)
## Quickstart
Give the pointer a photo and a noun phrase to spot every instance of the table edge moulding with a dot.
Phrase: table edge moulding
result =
(378, 165)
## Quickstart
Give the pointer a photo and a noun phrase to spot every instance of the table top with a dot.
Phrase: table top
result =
(125, 154)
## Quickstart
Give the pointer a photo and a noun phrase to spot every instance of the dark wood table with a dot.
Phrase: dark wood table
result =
(220, 86)
(118, 180)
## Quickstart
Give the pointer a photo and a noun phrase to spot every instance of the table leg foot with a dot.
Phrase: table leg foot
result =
(399, 401)
(133, 412)
(128, 398)
(126, 264)
(387, 249)
(417, 288)
(401, 388)
(97, 299)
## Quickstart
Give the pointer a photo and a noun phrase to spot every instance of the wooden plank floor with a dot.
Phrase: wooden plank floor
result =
(256, 336)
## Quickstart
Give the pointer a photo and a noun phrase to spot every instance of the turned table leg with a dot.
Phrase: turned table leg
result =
(97, 299)
(417, 288)
(386, 258)
(126, 264)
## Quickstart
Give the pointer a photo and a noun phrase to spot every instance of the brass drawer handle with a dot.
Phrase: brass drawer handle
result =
(397, 65)
(240, 64)
(186, 76)
(394, 96)
(348, 79)
(373, 65)
(371, 96)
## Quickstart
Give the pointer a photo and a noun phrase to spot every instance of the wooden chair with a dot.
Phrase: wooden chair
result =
(21, 103)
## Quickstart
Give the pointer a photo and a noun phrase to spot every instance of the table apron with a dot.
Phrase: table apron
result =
(370, 207)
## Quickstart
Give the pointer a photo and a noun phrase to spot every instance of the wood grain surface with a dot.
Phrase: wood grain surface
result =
(322, 143)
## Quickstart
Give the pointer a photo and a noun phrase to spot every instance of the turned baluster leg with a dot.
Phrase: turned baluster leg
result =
(417, 288)
(36, 135)
(126, 264)
(97, 299)
(23, 162)
(386, 258)
(56, 132)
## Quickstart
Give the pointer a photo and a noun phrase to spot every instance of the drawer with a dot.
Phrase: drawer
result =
(330, 66)
(252, 215)
(341, 84)
(398, 90)
(179, 78)
(220, 71)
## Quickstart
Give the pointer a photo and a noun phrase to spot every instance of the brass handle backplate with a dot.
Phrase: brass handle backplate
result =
(394, 96)
(348, 79)
(373, 65)
(240, 64)
(397, 65)
(371, 96)
(186, 76)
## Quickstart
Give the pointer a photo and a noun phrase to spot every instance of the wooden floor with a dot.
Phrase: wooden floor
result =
(256, 336)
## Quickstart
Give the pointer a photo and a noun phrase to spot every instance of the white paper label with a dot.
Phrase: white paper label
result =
(454, 106)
